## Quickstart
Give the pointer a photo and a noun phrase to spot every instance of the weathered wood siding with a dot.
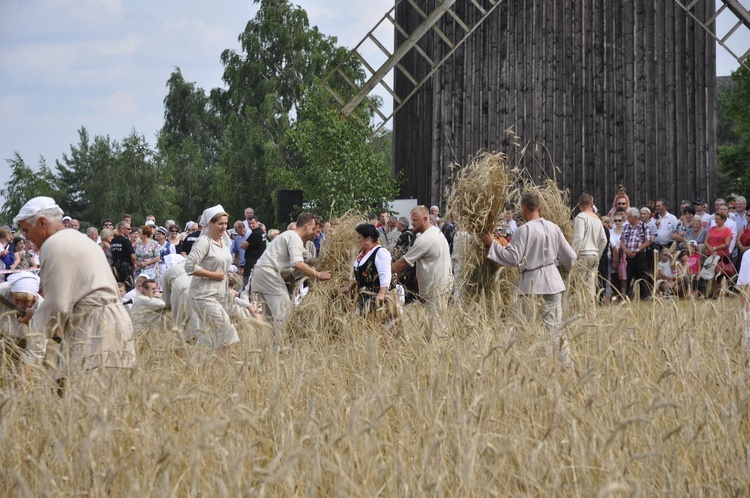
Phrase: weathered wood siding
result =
(617, 91)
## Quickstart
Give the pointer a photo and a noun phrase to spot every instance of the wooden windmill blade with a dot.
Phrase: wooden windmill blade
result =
(443, 12)
(707, 18)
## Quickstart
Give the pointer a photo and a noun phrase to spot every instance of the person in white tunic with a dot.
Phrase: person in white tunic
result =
(175, 285)
(431, 255)
(148, 309)
(82, 302)
(589, 242)
(208, 264)
(28, 345)
(535, 249)
(283, 256)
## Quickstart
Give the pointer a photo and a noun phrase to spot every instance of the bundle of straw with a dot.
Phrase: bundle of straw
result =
(325, 310)
(478, 196)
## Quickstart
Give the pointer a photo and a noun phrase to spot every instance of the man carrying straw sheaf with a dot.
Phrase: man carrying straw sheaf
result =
(82, 302)
(535, 248)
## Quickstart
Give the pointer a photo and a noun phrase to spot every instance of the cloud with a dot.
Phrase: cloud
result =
(11, 107)
(70, 64)
(122, 103)
(88, 11)
(193, 37)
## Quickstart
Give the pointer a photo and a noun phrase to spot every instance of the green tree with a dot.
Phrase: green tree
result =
(734, 157)
(127, 177)
(189, 143)
(281, 58)
(74, 175)
(338, 167)
(24, 184)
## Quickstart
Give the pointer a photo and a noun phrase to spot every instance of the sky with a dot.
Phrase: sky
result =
(103, 64)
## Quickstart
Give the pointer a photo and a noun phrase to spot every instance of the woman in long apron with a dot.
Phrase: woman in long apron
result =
(208, 263)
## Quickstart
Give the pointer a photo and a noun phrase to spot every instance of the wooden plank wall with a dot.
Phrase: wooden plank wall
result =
(608, 91)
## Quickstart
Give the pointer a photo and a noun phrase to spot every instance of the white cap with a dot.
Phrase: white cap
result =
(34, 206)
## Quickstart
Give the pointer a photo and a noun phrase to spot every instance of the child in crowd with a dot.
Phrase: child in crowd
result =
(668, 284)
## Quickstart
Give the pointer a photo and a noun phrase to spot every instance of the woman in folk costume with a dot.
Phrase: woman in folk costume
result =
(208, 263)
(372, 270)
(23, 346)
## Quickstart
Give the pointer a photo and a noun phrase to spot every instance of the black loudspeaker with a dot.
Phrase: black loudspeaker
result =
(288, 206)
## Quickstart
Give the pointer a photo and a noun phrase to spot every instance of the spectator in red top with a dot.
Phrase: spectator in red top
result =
(718, 241)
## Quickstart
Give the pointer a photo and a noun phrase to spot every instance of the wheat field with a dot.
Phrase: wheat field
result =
(470, 405)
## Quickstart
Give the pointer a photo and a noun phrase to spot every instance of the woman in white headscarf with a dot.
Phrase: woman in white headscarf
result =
(208, 264)
(23, 346)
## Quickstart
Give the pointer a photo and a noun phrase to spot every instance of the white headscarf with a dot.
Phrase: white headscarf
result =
(208, 215)
(24, 281)
(34, 206)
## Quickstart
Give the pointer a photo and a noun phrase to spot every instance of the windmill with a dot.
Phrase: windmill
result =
(457, 57)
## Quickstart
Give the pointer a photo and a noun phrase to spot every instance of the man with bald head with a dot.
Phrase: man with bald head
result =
(431, 256)
(82, 302)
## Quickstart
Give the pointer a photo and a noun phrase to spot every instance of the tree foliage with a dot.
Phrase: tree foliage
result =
(338, 168)
(281, 60)
(189, 143)
(270, 128)
(734, 155)
(73, 176)
(25, 183)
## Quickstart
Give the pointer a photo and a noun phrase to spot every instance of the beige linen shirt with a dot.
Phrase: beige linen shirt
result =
(431, 255)
(589, 236)
(535, 248)
(146, 312)
(277, 263)
(82, 304)
(208, 255)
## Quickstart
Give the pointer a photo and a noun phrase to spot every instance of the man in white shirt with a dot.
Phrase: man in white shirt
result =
(82, 302)
(248, 213)
(431, 255)
(700, 212)
(535, 249)
(740, 213)
(147, 307)
(665, 225)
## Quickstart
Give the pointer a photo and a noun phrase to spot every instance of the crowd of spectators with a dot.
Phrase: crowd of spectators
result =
(689, 253)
